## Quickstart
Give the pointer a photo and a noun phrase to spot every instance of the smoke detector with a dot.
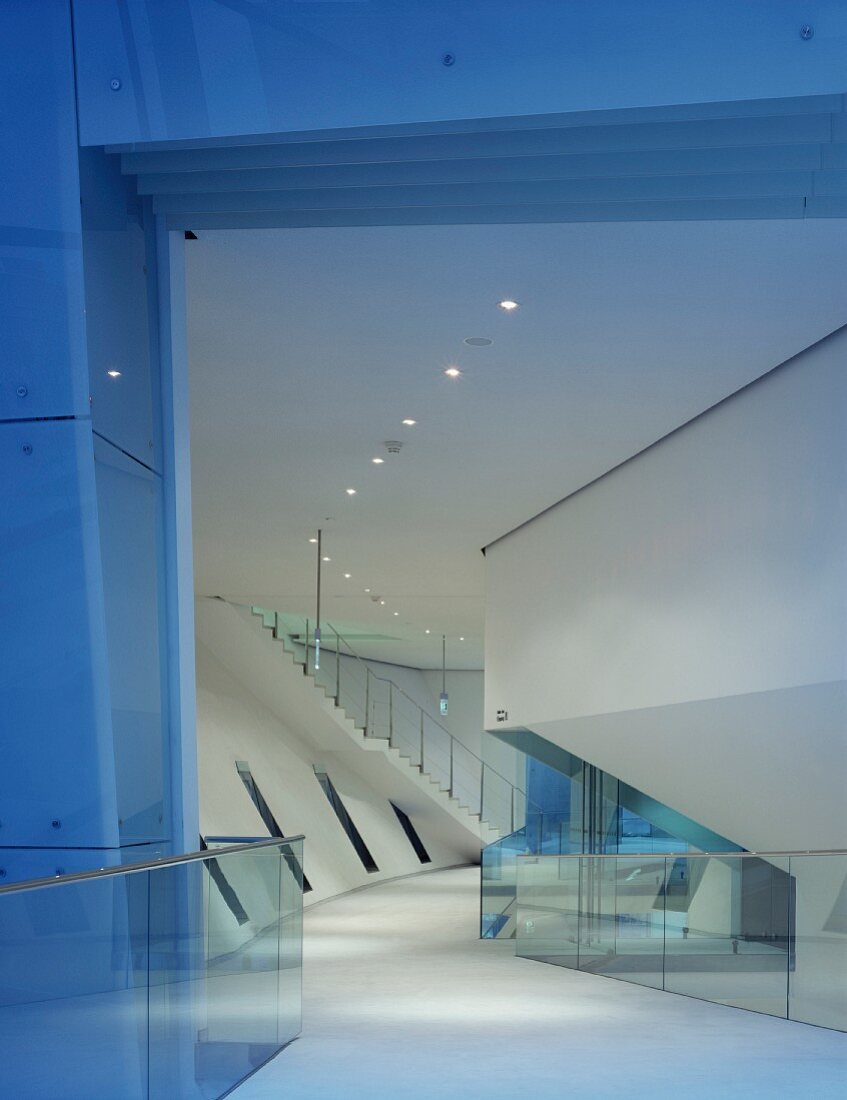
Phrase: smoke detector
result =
(393, 446)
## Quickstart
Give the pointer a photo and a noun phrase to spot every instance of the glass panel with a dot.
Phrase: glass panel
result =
(622, 934)
(353, 690)
(73, 990)
(379, 707)
(215, 1007)
(548, 910)
(498, 886)
(498, 807)
(818, 978)
(760, 933)
(177, 980)
(726, 935)
(436, 762)
(467, 777)
(406, 727)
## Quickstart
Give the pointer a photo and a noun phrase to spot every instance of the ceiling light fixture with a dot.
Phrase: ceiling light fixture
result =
(347, 576)
(478, 341)
(350, 492)
(427, 632)
(377, 461)
(396, 612)
(382, 603)
(409, 422)
(325, 558)
(452, 372)
(508, 305)
(113, 373)
(461, 639)
(313, 540)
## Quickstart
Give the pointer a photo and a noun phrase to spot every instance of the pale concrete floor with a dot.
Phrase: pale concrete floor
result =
(401, 1000)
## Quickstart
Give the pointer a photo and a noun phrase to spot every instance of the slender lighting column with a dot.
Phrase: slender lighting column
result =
(442, 699)
(318, 609)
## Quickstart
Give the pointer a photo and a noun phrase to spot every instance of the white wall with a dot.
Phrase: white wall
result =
(682, 622)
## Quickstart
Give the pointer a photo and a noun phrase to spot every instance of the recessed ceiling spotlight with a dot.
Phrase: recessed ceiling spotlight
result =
(461, 639)
(347, 576)
(377, 461)
(382, 603)
(452, 372)
(427, 632)
(409, 422)
(350, 492)
(508, 305)
(325, 558)
(478, 341)
(313, 540)
(396, 612)
(113, 373)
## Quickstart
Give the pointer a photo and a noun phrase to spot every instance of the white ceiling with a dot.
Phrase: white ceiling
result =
(309, 346)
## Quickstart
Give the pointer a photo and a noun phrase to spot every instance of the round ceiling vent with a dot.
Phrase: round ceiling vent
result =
(393, 446)
(478, 341)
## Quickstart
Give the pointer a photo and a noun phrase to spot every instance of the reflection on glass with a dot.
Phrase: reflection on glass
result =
(152, 983)
(766, 933)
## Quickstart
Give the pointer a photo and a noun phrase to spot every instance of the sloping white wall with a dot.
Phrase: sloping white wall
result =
(682, 622)
(232, 724)
(242, 700)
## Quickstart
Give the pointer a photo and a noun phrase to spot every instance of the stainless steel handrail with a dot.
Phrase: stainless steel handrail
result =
(685, 855)
(148, 865)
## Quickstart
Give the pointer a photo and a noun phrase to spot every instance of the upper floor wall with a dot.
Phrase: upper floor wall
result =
(154, 71)
(682, 621)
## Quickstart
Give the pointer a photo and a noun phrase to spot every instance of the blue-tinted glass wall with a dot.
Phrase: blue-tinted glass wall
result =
(85, 653)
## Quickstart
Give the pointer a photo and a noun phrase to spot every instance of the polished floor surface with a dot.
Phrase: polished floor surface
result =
(401, 1000)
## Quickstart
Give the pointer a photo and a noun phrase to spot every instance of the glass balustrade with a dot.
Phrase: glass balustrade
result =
(151, 981)
(764, 932)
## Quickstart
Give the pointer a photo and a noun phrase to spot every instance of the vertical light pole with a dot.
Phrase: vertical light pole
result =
(318, 607)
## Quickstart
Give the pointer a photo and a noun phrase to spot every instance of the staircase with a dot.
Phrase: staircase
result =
(404, 750)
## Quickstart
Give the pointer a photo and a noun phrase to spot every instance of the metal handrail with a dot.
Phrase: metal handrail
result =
(147, 865)
(396, 687)
(681, 855)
